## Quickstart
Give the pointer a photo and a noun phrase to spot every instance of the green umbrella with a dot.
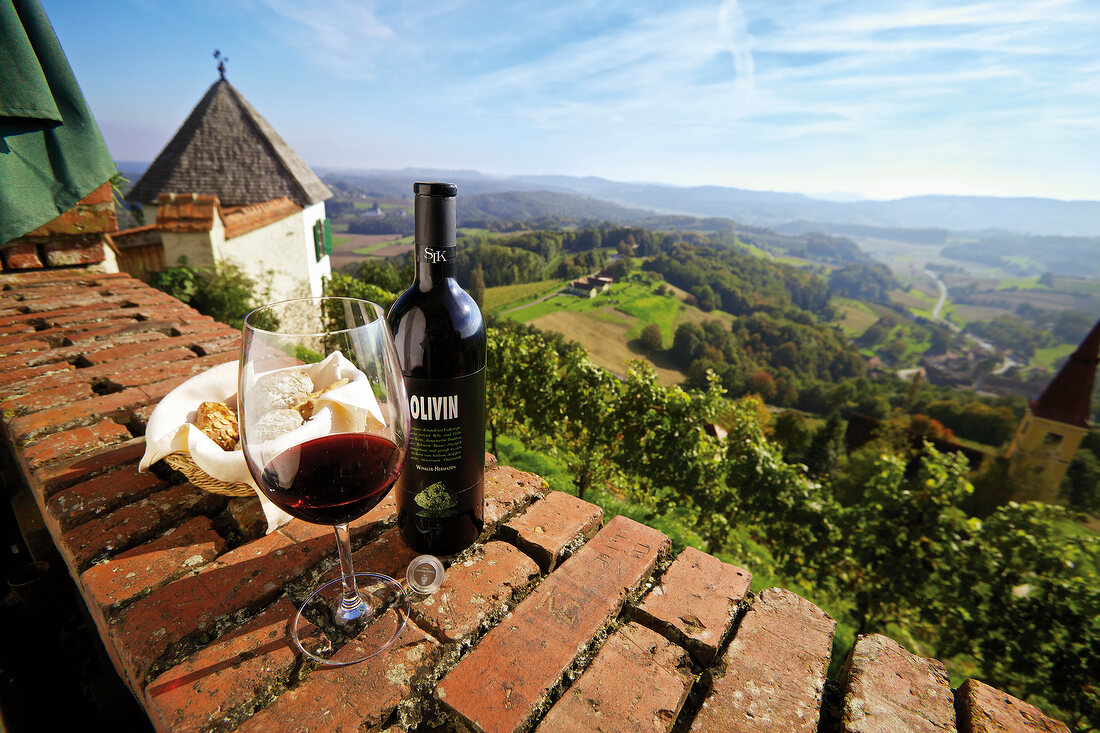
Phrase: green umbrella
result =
(51, 151)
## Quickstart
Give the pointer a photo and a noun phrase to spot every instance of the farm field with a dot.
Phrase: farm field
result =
(608, 326)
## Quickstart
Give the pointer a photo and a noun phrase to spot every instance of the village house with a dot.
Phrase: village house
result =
(228, 189)
(589, 287)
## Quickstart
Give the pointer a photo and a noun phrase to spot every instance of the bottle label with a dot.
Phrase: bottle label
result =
(446, 456)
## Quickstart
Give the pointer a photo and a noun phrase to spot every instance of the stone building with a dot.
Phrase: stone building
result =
(228, 189)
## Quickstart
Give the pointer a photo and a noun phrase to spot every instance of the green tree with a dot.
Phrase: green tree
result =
(522, 377)
(651, 338)
(797, 515)
(224, 292)
(344, 285)
(477, 285)
(1023, 598)
(826, 447)
(905, 529)
(1081, 486)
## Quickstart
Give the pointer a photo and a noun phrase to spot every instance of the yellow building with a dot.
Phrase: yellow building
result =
(1053, 427)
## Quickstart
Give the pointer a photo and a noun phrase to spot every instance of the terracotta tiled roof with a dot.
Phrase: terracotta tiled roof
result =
(225, 148)
(243, 219)
(1068, 397)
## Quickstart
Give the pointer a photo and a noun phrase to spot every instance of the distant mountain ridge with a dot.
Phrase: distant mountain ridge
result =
(1028, 215)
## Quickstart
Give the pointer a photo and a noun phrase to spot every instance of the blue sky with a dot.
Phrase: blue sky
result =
(879, 98)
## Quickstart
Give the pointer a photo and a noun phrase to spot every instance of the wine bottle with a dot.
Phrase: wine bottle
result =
(440, 338)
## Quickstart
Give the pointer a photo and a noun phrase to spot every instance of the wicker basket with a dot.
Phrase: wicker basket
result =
(183, 463)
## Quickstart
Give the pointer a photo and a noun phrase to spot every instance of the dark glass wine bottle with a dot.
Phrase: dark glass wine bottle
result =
(440, 338)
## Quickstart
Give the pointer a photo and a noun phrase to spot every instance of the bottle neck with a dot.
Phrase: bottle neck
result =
(434, 235)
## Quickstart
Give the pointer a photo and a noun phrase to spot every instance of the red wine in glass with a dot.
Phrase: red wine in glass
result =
(332, 479)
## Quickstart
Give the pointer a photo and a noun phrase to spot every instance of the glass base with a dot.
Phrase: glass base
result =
(367, 628)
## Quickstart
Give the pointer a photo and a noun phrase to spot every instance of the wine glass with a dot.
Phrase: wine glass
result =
(324, 426)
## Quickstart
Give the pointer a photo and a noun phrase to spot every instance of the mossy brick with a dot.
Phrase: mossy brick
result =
(985, 709)
(21, 256)
(476, 591)
(80, 252)
(638, 682)
(114, 405)
(356, 697)
(773, 675)
(49, 480)
(507, 491)
(223, 680)
(134, 524)
(696, 601)
(192, 606)
(72, 443)
(38, 400)
(552, 527)
(504, 681)
(98, 495)
(141, 569)
(888, 688)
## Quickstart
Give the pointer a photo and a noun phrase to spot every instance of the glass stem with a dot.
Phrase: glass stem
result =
(352, 605)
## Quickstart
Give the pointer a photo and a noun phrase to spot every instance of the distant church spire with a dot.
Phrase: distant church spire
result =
(1068, 397)
(1054, 426)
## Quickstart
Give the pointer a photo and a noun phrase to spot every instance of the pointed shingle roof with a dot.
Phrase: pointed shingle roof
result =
(1068, 397)
(225, 148)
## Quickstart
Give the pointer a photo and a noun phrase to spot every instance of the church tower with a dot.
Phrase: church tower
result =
(1053, 426)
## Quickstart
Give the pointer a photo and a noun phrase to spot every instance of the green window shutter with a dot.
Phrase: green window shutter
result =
(328, 237)
(318, 240)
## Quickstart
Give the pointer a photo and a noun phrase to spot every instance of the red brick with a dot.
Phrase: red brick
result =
(191, 606)
(23, 344)
(70, 507)
(22, 256)
(222, 680)
(638, 682)
(72, 443)
(142, 569)
(476, 591)
(774, 669)
(507, 491)
(550, 529)
(52, 479)
(165, 370)
(134, 524)
(503, 681)
(80, 252)
(44, 399)
(29, 373)
(357, 697)
(116, 405)
(887, 688)
(696, 602)
(985, 709)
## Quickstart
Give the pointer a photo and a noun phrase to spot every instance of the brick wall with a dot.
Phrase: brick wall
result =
(74, 239)
(559, 619)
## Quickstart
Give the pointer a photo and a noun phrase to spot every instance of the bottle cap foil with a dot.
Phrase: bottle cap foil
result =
(425, 574)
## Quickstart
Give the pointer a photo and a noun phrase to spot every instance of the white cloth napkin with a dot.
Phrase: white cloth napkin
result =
(348, 408)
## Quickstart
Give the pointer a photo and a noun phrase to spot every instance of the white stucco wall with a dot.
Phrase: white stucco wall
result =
(280, 256)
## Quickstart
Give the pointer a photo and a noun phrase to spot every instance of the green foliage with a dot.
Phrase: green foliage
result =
(342, 285)
(651, 338)
(1024, 599)
(1015, 592)
(870, 282)
(225, 293)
